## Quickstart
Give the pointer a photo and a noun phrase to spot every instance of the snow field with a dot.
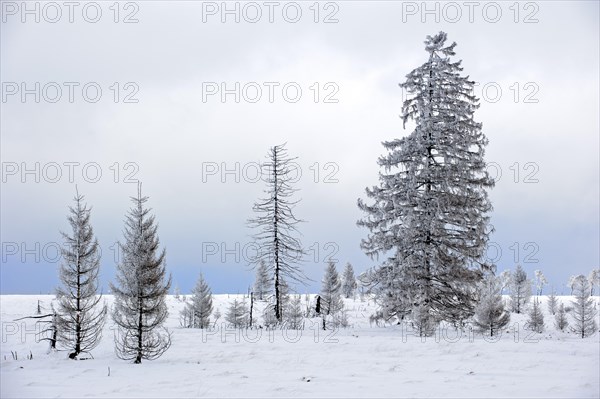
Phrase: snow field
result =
(360, 361)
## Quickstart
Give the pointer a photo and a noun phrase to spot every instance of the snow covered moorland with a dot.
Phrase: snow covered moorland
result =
(361, 360)
(430, 314)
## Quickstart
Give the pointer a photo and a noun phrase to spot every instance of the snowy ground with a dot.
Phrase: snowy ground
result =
(361, 361)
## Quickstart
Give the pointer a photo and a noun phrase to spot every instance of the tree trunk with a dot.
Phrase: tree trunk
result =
(251, 307)
(138, 359)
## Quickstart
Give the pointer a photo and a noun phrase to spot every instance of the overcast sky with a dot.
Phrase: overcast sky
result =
(539, 111)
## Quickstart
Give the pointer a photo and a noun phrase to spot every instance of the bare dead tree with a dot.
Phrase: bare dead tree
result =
(276, 225)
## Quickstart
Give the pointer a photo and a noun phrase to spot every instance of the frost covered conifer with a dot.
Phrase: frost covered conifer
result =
(536, 317)
(331, 299)
(284, 296)
(520, 289)
(540, 281)
(430, 210)
(594, 280)
(263, 283)
(237, 314)
(80, 316)
(295, 313)
(584, 313)
(348, 281)
(141, 289)
(198, 310)
(490, 316)
(217, 315)
(276, 225)
(560, 319)
(552, 302)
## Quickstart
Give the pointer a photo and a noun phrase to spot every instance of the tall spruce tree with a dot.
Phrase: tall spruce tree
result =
(197, 311)
(141, 288)
(80, 316)
(276, 225)
(430, 211)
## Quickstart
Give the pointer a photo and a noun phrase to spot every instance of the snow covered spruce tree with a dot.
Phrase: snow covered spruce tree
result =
(276, 225)
(331, 294)
(430, 211)
(560, 319)
(536, 317)
(584, 314)
(490, 316)
(237, 314)
(295, 314)
(348, 281)
(197, 311)
(552, 302)
(141, 289)
(262, 285)
(520, 289)
(80, 316)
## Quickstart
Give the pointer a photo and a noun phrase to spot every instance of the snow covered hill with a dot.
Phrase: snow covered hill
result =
(363, 360)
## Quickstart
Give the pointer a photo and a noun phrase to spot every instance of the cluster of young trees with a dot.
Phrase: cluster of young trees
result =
(583, 309)
(491, 316)
(328, 304)
(140, 289)
(491, 313)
